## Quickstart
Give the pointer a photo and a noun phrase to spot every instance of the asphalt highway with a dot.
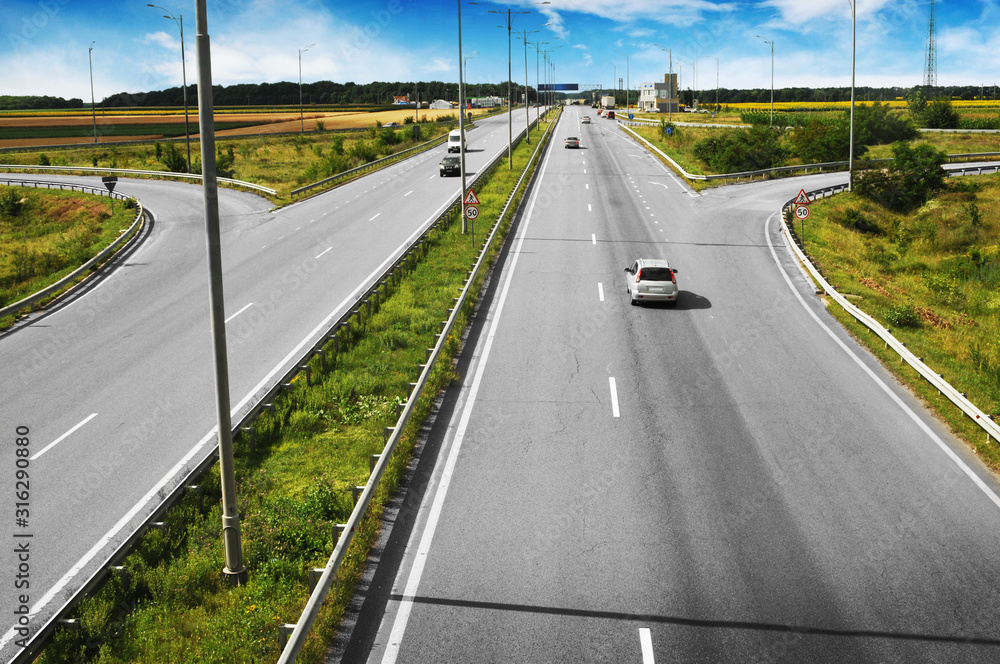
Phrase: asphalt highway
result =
(115, 382)
(730, 480)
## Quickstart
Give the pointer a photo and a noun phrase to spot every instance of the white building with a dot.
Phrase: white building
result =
(442, 104)
(659, 97)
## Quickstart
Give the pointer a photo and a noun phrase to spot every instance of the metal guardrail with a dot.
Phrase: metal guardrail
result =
(301, 629)
(125, 171)
(169, 497)
(984, 420)
(371, 164)
(72, 276)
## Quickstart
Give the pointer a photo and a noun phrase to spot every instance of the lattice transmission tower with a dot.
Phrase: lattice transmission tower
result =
(930, 68)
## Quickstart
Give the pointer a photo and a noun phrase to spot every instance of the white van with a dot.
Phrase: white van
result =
(455, 141)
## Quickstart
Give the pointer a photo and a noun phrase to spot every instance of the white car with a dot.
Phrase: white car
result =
(585, 120)
(652, 280)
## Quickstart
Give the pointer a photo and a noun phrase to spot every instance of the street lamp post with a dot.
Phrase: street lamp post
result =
(850, 162)
(465, 61)
(716, 85)
(302, 121)
(461, 127)
(671, 88)
(93, 105)
(179, 20)
(771, 42)
(235, 571)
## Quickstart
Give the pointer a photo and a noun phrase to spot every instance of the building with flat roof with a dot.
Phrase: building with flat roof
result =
(659, 97)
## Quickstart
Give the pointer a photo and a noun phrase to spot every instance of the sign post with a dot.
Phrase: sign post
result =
(470, 211)
(110, 181)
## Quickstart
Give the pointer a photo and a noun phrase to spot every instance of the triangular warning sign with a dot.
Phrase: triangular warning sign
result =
(802, 198)
(470, 199)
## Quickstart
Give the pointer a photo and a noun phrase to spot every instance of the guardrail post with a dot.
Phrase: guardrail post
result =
(314, 575)
(252, 437)
(338, 530)
(372, 460)
(196, 488)
(308, 370)
(387, 432)
(284, 632)
(356, 492)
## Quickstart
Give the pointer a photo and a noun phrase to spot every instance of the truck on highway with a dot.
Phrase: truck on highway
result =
(608, 101)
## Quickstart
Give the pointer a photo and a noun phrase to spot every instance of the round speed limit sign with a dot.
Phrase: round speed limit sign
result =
(471, 212)
(801, 212)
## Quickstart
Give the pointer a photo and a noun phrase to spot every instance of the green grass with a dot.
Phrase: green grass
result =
(172, 606)
(933, 278)
(46, 234)
(282, 163)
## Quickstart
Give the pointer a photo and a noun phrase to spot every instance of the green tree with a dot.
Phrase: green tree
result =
(912, 179)
(939, 114)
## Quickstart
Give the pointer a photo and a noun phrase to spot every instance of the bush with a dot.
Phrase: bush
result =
(742, 150)
(13, 203)
(902, 315)
(820, 141)
(914, 176)
(172, 158)
(43, 160)
(939, 115)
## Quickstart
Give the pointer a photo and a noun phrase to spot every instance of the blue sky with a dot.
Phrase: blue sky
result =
(45, 42)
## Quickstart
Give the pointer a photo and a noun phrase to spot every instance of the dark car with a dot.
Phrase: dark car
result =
(451, 165)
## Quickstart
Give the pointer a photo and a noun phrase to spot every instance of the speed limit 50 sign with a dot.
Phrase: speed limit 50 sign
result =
(801, 212)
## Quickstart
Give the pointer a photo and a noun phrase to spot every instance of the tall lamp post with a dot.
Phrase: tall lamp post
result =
(93, 105)
(235, 571)
(850, 159)
(628, 85)
(302, 121)
(671, 88)
(179, 20)
(465, 61)
(771, 42)
(716, 84)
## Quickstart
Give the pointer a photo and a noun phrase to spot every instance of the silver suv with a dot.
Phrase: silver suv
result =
(651, 280)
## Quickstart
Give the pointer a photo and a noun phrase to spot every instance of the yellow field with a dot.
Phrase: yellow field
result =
(841, 105)
(263, 122)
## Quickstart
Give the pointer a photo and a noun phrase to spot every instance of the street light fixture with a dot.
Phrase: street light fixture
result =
(771, 42)
(302, 121)
(465, 59)
(93, 105)
(179, 20)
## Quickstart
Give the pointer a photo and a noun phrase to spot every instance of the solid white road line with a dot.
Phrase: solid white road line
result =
(324, 251)
(600, 291)
(416, 571)
(646, 643)
(239, 312)
(614, 397)
(878, 381)
(589, 208)
(62, 437)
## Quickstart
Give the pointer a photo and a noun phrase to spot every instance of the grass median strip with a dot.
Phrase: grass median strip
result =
(295, 477)
(45, 235)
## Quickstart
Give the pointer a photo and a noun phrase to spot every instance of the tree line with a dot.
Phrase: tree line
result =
(381, 92)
